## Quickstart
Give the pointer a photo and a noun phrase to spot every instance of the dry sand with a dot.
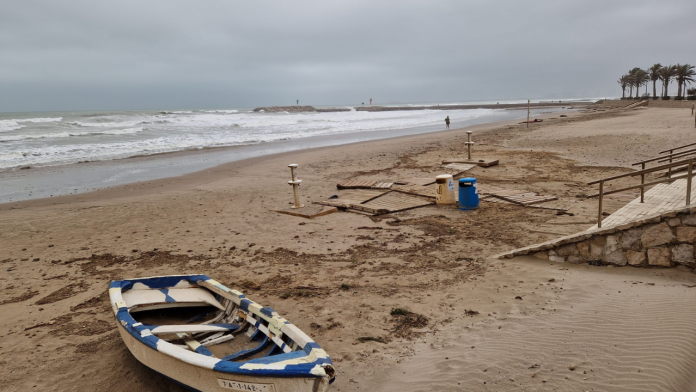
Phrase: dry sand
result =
(618, 328)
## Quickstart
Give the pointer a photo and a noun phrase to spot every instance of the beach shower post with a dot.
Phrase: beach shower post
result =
(295, 185)
(528, 113)
(468, 143)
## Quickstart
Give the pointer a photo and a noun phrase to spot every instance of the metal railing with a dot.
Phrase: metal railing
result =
(688, 163)
(670, 156)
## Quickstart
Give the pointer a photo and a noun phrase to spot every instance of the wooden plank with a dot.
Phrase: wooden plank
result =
(461, 166)
(416, 181)
(353, 197)
(359, 212)
(393, 202)
(361, 195)
(488, 189)
(457, 169)
(355, 184)
(479, 162)
(309, 212)
(526, 200)
(424, 191)
(520, 197)
(383, 185)
(371, 210)
(337, 203)
(493, 199)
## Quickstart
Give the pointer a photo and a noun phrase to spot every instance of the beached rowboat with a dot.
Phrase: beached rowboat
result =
(207, 337)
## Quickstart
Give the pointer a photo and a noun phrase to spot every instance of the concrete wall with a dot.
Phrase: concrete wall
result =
(664, 240)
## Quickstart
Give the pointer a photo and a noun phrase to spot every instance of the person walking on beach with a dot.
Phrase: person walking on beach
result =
(447, 121)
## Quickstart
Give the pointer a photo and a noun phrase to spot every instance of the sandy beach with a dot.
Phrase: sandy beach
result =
(488, 324)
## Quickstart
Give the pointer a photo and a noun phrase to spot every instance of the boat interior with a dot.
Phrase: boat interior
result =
(201, 321)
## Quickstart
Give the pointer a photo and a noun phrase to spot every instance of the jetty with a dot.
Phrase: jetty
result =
(376, 108)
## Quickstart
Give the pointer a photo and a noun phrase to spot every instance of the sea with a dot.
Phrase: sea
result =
(43, 154)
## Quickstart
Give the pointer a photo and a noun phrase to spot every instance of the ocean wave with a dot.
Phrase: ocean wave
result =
(41, 119)
(11, 156)
(78, 139)
(122, 124)
(58, 135)
(220, 111)
(14, 124)
(10, 125)
(176, 112)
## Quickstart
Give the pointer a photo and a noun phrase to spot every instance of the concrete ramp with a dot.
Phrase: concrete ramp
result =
(661, 198)
(636, 104)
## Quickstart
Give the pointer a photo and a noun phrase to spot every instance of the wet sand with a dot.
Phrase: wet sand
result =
(619, 328)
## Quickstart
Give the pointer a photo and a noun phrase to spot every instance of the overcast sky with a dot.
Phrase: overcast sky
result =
(98, 55)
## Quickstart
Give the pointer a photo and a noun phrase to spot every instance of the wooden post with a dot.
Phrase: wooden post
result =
(669, 171)
(601, 199)
(688, 183)
(642, 181)
(295, 185)
(468, 143)
(527, 113)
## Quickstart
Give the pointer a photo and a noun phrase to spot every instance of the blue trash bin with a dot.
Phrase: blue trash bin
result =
(468, 194)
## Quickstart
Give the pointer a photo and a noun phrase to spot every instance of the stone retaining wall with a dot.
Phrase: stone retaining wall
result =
(663, 240)
(654, 103)
(658, 103)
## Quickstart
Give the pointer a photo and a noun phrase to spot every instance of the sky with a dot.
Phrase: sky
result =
(174, 54)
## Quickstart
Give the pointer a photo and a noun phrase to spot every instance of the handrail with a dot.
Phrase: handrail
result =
(644, 171)
(664, 157)
(678, 155)
(677, 148)
(689, 163)
(628, 188)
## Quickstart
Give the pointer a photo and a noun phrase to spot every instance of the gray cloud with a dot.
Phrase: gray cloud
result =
(77, 54)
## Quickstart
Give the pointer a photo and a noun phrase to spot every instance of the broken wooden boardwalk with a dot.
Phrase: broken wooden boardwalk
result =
(356, 184)
(459, 168)
(416, 181)
(363, 184)
(309, 212)
(353, 196)
(478, 162)
(524, 198)
(374, 202)
(393, 202)
(418, 190)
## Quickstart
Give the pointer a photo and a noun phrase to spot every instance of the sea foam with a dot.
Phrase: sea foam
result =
(78, 137)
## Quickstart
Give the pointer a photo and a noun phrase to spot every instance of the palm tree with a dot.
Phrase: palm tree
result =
(623, 81)
(641, 78)
(637, 77)
(683, 74)
(667, 73)
(654, 76)
(631, 82)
